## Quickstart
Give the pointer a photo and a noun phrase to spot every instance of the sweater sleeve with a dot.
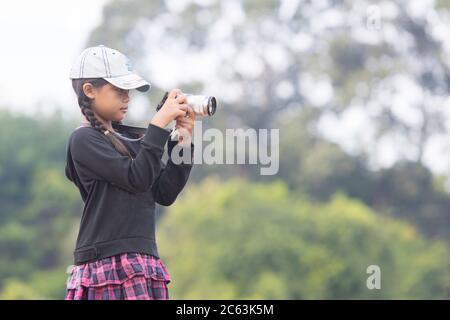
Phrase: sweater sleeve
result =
(96, 156)
(173, 177)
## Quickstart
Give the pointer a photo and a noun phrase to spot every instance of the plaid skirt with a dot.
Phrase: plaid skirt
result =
(126, 276)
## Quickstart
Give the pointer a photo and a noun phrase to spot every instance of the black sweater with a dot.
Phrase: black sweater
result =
(119, 193)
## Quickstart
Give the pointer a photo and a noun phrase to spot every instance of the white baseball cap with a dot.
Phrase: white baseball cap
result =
(109, 64)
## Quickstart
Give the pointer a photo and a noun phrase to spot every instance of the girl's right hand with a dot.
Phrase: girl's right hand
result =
(174, 106)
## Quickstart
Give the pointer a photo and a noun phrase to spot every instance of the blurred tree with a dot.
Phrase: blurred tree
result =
(318, 167)
(258, 241)
(17, 290)
(267, 57)
(407, 190)
(272, 64)
(38, 207)
(292, 64)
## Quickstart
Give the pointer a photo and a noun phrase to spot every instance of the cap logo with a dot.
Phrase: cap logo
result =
(129, 65)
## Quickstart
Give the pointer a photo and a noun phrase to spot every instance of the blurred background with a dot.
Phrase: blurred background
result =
(358, 90)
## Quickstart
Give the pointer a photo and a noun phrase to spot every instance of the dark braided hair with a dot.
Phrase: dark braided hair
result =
(86, 109)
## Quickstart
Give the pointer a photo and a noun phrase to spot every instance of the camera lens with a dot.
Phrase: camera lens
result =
(211, 106)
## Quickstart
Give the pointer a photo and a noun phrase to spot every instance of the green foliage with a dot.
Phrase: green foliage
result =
(259, 241)
(40, 207)
(40, 285)
(18, 290)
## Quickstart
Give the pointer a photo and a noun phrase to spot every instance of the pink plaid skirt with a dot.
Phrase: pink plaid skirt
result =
(126, 276)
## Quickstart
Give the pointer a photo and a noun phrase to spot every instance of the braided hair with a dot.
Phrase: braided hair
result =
(86, 109)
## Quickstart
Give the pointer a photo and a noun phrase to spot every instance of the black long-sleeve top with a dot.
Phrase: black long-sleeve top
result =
(119, 193)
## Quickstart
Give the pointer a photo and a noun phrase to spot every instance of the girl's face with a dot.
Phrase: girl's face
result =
(108, 101)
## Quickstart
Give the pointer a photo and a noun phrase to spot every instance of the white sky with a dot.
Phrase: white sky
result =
(40, 39)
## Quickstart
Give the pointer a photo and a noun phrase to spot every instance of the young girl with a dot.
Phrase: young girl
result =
(120, 176)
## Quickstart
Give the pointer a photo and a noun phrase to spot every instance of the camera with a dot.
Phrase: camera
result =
(203, 106)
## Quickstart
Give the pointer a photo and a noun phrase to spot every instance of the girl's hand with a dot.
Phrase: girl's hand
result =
(175, 106)
(185, 126)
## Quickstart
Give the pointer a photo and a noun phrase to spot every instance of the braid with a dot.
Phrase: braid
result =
(86, 109)
(85, 105)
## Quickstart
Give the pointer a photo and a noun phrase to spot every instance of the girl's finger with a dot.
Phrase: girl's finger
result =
(180, 98)
(179, 114)
(183, 107)
(183, 120)
(191, 113)
(173, 93)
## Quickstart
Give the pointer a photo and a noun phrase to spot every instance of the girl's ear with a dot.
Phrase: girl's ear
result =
(88, 90)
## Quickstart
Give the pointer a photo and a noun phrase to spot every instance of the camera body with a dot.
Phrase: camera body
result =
(203, 106)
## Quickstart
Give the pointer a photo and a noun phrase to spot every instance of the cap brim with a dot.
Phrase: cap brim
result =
(130, 81)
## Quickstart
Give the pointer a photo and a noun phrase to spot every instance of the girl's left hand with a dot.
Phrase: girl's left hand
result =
(185, 126)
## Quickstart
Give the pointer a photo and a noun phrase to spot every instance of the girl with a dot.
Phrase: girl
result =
(120, 176)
